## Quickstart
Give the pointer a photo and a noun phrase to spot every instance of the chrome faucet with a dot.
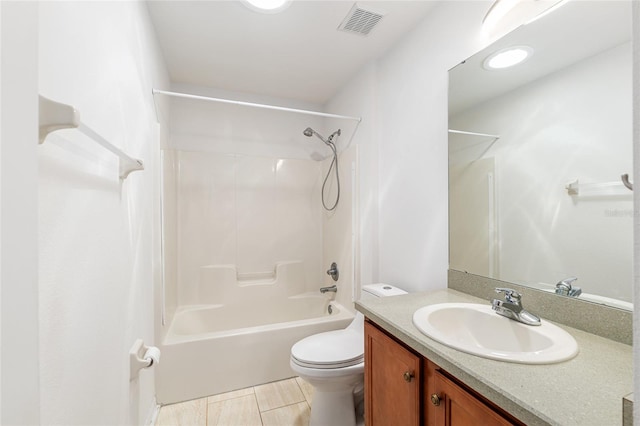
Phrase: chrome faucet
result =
(564, 288)
(333, 288)
(511, 307)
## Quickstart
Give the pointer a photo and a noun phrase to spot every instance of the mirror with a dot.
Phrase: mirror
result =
(536, 154)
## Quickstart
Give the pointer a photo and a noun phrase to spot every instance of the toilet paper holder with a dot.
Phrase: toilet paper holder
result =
(142, 356)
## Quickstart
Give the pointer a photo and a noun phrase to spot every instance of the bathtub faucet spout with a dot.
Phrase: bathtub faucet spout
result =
(333, 288)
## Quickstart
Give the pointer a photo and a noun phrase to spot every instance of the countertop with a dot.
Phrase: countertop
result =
(586, 390)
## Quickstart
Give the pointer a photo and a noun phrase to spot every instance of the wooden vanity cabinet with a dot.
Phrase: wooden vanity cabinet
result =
(404, 388)
(452, 405)
(392, 381)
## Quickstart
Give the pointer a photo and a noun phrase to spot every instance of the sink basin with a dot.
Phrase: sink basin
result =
(479, 330)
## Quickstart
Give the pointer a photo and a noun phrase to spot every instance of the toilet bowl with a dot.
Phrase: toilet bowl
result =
(333, 363)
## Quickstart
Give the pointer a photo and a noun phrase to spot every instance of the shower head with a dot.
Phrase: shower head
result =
(310, 132)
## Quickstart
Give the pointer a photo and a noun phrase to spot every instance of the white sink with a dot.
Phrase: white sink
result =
(479, 330)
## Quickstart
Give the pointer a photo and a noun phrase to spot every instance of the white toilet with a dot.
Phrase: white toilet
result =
(333, 363)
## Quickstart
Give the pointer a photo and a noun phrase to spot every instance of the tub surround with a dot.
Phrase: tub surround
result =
(223, 284)
(612, 323)
(587, 390)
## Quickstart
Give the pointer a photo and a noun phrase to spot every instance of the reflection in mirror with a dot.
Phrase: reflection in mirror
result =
(536, 152)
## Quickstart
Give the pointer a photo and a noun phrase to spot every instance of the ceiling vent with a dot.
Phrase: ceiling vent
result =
(360, 21)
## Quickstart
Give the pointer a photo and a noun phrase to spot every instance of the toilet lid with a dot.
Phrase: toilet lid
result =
(332, 349)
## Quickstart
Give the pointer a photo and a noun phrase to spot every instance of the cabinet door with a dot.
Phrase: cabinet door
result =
(392, 381)
(454, 406)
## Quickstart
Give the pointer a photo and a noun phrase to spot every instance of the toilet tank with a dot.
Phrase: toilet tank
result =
(373, 291)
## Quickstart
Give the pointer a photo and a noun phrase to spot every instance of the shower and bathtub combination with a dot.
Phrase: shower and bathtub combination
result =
(246, 246)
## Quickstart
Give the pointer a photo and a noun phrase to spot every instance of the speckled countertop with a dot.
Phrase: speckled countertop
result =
(586, 390)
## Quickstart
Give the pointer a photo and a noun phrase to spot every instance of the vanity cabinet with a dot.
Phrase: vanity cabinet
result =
(392, 381)
(452, 405)
(404, 388)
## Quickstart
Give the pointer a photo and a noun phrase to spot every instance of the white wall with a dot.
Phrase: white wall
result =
(402, 98)
(98, 247)
(18, 226)
(539, 151)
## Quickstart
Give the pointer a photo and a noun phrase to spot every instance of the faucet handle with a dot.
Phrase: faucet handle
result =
(566, 282)
(333, 271)
(564, 287)
(510, 295)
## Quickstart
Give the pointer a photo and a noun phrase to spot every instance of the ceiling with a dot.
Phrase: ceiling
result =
(296, 54)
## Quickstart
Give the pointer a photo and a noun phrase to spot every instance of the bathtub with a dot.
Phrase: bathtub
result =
(217, 348)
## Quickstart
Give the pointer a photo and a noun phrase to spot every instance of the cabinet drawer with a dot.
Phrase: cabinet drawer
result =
(455, 406)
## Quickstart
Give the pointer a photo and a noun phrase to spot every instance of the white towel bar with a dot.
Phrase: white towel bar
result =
(599, 188)
(55, 116)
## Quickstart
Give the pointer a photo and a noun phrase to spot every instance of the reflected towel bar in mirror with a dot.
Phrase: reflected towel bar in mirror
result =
(600, 188)
(462, 132)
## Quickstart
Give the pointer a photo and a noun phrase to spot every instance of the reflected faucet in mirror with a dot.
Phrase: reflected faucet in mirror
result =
(564, 288)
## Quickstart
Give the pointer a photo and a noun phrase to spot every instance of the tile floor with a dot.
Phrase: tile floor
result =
(283, 403)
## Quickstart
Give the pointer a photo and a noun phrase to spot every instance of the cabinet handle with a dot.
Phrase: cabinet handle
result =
(435, 399)
(407, 376)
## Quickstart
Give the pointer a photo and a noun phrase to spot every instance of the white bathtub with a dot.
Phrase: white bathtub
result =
(211, 349)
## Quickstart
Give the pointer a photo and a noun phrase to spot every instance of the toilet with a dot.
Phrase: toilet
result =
(333, 363)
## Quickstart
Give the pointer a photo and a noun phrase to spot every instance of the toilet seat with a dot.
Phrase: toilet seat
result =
(332, 349)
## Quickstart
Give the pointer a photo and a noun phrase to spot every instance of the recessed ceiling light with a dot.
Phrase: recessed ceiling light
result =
(508, 57)
(268, 6)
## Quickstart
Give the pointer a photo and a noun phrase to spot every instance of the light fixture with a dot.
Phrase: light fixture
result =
(553, 8)
(497, 11)
(518, 11)
(508, 57)
(267, 6)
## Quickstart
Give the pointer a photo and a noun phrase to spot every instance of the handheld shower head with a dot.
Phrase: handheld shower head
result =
(310, 132)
